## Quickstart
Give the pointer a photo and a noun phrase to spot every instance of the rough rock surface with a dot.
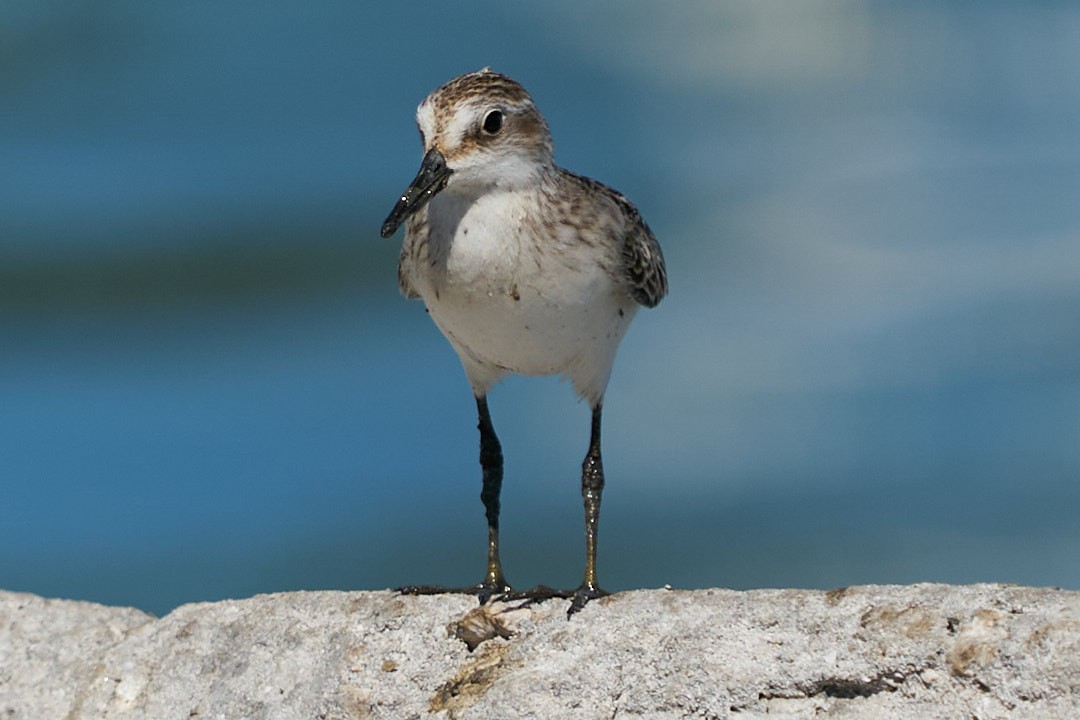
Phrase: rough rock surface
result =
(922, 651)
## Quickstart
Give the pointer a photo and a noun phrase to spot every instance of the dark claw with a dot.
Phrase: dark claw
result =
(427, 590)
(582, 596)
(487, 591)
(538, 594)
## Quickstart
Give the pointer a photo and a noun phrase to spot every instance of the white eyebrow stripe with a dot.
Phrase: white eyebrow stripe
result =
(465, 117)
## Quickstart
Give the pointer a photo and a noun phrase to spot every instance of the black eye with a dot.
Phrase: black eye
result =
(493, 122)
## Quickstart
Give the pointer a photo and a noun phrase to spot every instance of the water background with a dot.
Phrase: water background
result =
(868, 369)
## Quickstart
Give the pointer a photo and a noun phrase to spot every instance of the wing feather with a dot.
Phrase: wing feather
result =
(642, 260)
(639, 260)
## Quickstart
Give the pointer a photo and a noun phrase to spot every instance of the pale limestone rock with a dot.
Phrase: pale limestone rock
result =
(922, 651)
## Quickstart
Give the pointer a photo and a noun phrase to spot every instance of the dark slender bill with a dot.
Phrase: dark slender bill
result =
(427, 183)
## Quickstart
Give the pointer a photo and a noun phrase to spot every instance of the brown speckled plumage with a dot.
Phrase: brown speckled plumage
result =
(539, 226)
(641, 261)
(638, 263)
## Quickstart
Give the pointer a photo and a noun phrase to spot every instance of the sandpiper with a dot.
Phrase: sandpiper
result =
(524, 267)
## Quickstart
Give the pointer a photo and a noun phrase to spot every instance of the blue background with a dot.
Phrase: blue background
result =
(868, 369)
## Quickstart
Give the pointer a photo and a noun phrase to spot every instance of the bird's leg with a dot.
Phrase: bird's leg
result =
(491, 462)
(592, 486)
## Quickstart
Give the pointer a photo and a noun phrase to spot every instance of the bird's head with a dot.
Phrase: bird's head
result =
(480, 131)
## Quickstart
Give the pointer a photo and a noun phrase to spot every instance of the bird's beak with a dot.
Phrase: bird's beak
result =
(427, 183)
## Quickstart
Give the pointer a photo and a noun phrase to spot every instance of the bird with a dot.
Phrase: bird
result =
(525, 268)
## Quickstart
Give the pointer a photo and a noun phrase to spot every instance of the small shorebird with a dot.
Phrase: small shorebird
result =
(525, 268)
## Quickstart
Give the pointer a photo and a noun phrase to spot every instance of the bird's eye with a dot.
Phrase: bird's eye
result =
(493, 122)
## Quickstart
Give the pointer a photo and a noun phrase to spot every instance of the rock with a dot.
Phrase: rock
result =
(925, 651)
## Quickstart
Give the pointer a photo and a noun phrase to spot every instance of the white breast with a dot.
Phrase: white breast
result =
(512, 298)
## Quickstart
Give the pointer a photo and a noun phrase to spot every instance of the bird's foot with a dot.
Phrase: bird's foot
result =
(538, 594)
(488, 591)
(485, 591)
(578, 598)
(491, 589)
(581, 597)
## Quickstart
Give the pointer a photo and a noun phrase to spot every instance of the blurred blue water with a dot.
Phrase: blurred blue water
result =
(868, 369)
